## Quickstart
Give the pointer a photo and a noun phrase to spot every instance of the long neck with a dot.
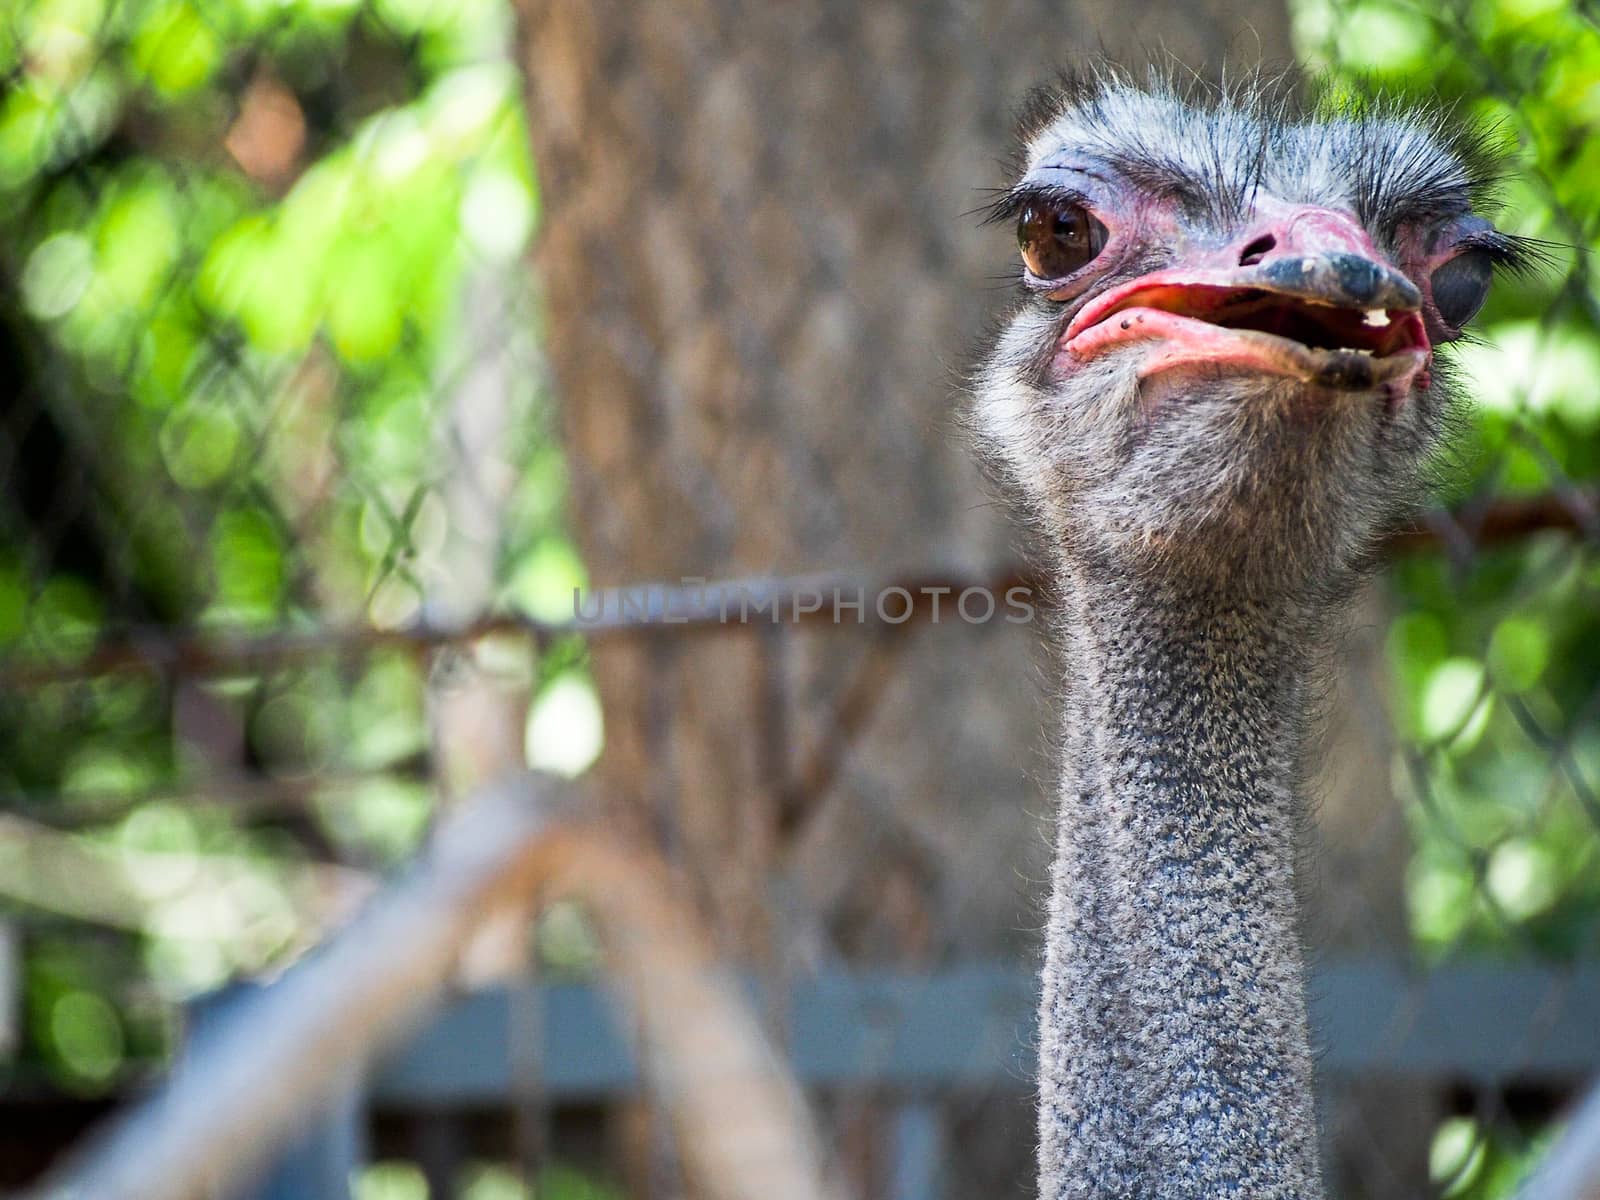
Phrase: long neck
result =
(1174, 1055)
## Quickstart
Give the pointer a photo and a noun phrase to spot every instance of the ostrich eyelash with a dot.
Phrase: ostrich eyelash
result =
(1009, 206)
(1519, 257)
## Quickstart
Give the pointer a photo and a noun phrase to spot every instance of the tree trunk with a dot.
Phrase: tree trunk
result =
(760, 275)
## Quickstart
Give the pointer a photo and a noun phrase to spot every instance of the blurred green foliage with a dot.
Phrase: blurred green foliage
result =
(1470, 1159)
(482, 1181)
(255, 247)
(1496, 659)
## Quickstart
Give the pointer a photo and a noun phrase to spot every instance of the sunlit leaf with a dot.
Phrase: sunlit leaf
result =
(565, 731)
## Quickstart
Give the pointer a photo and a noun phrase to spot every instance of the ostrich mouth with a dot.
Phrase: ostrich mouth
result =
(1313, 339)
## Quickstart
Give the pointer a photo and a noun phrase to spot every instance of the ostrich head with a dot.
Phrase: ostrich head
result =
(1223, 366)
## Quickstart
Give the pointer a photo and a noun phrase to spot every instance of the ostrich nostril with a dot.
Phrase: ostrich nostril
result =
(1256, 250)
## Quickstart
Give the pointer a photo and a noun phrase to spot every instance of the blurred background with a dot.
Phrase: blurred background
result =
(341, 340)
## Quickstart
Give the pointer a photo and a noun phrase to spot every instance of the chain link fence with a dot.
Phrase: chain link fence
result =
(284, 574)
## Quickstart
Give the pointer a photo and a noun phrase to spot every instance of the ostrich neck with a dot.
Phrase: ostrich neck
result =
(1174, 1057)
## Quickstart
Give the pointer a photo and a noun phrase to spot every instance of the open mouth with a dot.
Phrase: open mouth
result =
(1253, 328)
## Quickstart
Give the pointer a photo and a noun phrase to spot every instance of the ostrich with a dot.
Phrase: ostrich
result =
(1217, 388)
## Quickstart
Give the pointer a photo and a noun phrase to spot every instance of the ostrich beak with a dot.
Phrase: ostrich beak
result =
(1333, 318)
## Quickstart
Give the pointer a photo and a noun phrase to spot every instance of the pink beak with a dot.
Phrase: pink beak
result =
(1308, 296)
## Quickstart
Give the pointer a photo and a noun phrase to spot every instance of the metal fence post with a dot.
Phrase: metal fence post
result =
(320, 1163)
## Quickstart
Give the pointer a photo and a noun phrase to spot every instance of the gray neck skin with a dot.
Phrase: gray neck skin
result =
(1174, 1059)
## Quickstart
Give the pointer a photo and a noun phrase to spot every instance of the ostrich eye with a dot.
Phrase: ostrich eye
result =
(1461, 286)
(1057, 239)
